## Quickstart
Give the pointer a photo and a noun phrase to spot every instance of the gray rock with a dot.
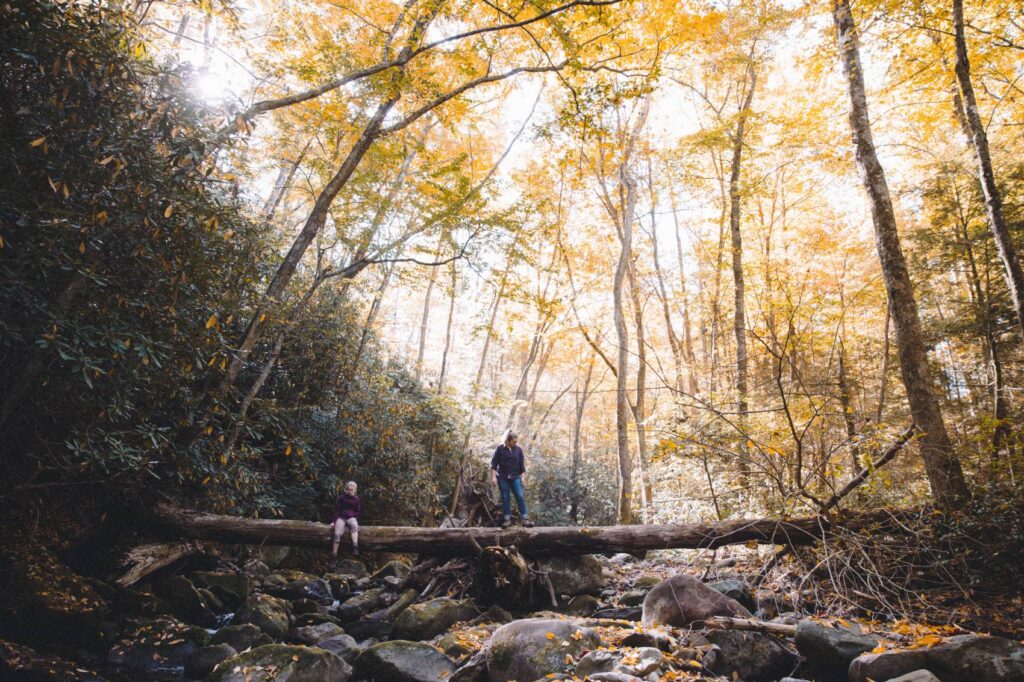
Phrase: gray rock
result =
(830, 650)
(573, 575)
(186, 602)
(963, 658)
(653, 638)
(341, 585)
(683, 600)
(304, 606)
(642, 662)
(352, 567)
(270, 614)
(633, 597)
(647, 580)
(365, 628)
(623, 558)
(272, 555)
(582, 605)
(396, 569)
(403, 661)
(231, 588)
(278, 662)
(431, 618)
(202, 661)
(522, 649)
(156, 648)
(360, 604)
(736, 589)
(633, 613)
(302, 620)
(493, 614)
(751, 656)
(916, 676)
(473, 670)
(317, 590)
(311, 634)
(613, 677)
(343, 646)
(241, 637)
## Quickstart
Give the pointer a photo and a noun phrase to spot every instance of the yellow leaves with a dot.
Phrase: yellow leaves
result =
(101, 217)
(105, 161)
(206, 480)
(880, 649)
(295, 657)
(169, 211)
(550, 635)
(81, 247)
(927, 641)
(212, 321)
(288, 452)
(38, 141)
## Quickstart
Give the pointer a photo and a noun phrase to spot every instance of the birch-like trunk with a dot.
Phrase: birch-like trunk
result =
(945, 474)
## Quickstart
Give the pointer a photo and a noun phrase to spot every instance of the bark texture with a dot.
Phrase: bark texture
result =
(529, 541)
(945, 474)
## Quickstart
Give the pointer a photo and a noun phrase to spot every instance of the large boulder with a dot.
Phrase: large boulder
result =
(683, 600)
(45, 601)
(316, 590)
(633, 613)
(283, 663)
(272, 555)
(353, 567)
(186, 602)
(270, 614)
(202, 661)
(156, 648)
(531, 648)
(431, 618)
(829, 650)
(573, 575)
(241, 637)
(392, 569)
(403, 661)
(963, 658)
(749, 656)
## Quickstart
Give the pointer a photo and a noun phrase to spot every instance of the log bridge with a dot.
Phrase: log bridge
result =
(537, 541)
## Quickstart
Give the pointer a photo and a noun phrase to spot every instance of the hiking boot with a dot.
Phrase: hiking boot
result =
(355, 550)
(527, 523)
(332, 566)
(506, 523)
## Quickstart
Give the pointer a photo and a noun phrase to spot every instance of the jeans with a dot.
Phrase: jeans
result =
(508, 488)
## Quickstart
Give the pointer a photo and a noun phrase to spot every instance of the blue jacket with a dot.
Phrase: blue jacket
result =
(508, 462)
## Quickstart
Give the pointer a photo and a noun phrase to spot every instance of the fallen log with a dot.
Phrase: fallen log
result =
(530, 541)
(146, 559)
(750, 625)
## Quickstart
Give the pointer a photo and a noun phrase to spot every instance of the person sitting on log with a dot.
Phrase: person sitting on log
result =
(347, 508)
(507, 469)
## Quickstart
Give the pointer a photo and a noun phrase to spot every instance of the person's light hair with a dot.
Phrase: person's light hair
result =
(351, 483)
(511, 435)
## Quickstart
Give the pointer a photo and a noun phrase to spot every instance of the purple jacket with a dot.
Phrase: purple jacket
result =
(508, 462)
(347, 507)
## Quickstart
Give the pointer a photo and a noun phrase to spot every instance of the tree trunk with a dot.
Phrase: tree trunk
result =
(448, 328)
(530, 541)
(943, 468)
(846, 404)
(740, 315)
(425, 318)
(622, 270)
(993, 198)
(577, 451)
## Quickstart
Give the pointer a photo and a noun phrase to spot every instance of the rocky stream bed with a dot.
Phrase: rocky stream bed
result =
(612, 619)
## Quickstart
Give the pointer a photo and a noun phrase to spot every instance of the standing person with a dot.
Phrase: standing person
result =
(507, 469)
(347, 509)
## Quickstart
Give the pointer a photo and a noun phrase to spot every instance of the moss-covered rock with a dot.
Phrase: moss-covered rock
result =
(397, 569)
(360, 604)
(203, 660)
(403, 661)
(241, 637)
(572, 575)
(311, 634)
(353, 567)
(280, 663)
(186, 602)
(431, 618)
(270, 614)
(530, 649)
(231, 588)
